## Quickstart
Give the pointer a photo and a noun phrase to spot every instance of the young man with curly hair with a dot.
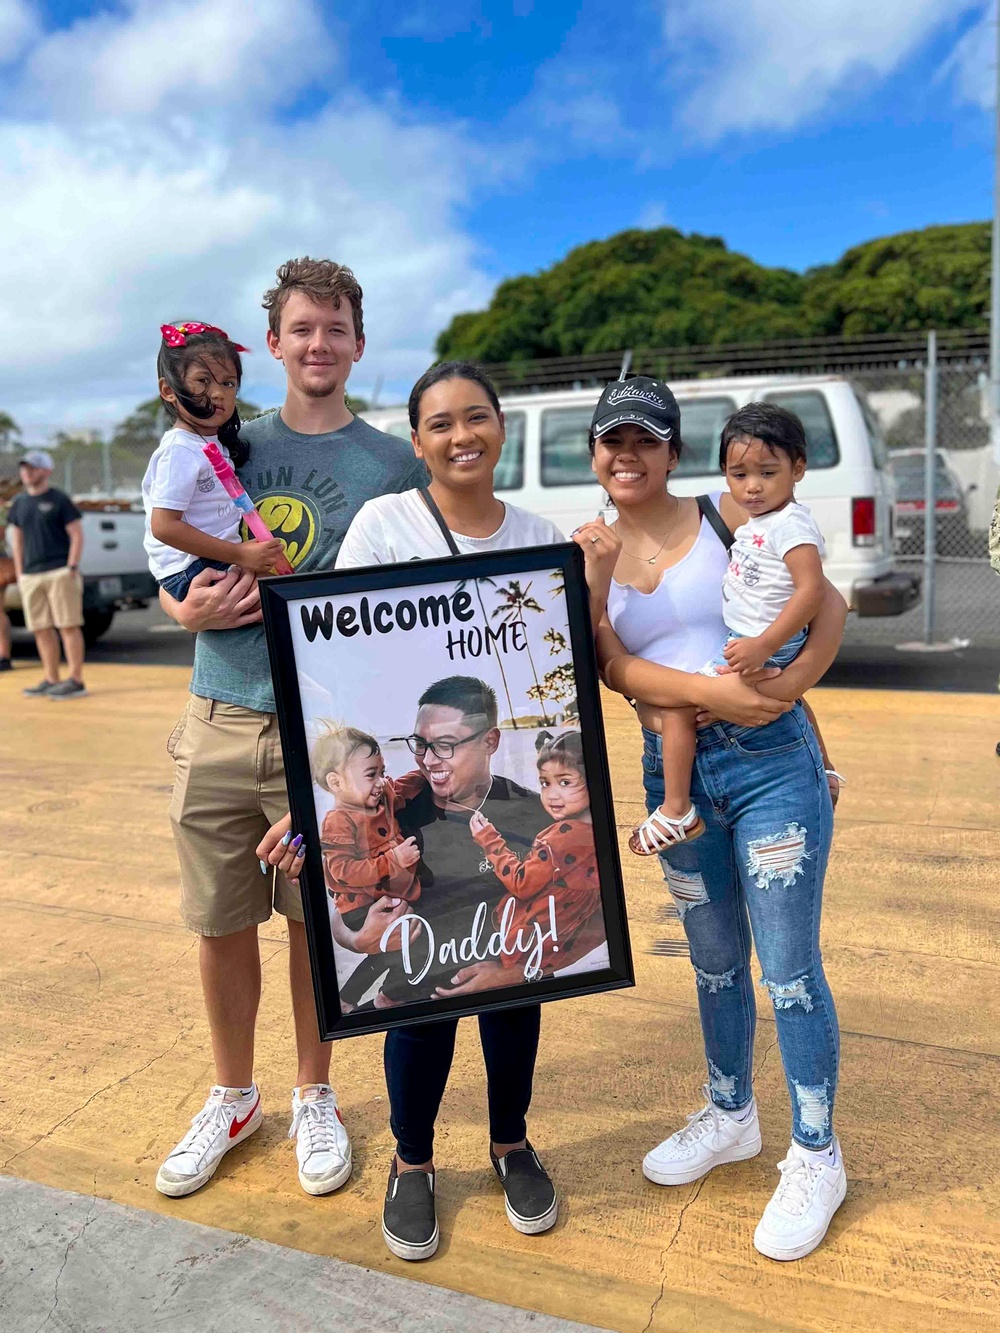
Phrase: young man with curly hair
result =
(312, 465)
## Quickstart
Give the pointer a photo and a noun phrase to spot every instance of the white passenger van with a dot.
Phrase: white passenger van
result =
(546, 468)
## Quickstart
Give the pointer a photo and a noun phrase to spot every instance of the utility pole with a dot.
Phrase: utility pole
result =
(994, 407)
(930, 487)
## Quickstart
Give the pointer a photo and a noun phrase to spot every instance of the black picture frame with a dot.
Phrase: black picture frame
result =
(282, 600)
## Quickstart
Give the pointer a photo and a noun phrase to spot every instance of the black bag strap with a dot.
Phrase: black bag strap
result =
(438, 518)
(716, 521)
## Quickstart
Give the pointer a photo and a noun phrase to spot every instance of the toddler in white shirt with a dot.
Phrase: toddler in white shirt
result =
(772, 589)
(191, 521)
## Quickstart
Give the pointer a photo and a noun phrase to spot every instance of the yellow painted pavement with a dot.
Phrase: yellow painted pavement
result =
(104, 1051)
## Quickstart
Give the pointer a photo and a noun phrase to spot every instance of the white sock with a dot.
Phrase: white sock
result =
(240, 1092)
(740, 1116)
(829, 1155)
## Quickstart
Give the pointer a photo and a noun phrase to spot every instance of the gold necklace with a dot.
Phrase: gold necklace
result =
(651, 560)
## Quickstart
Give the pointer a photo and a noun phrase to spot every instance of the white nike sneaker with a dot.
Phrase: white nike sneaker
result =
(226, 1119)
(710, 1138)
(803, 1205)
(322, 1146)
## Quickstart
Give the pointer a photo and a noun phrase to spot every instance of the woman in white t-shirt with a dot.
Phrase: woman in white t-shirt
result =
(458, 431)
(460, 444)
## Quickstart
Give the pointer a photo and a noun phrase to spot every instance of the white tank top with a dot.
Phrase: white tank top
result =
(679, 624)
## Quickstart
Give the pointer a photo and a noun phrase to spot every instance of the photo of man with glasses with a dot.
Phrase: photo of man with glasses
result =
(455, 737)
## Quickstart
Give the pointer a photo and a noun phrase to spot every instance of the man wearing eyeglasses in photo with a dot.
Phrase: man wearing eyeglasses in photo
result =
(454, 739)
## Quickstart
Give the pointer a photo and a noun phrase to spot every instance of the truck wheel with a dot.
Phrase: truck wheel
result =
(96, 623)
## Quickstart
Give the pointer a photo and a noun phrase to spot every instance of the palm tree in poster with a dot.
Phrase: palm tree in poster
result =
(486, 621)
(515, 600)
(556, 641)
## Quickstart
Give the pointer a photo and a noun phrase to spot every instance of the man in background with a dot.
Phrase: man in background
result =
(45, 534)
(6, 579)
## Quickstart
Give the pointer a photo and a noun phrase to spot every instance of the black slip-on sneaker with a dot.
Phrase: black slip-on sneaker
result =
(409, 1222)
(529, 1194)
(6, 664)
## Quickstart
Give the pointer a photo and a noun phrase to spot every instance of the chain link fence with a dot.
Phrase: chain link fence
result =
(97, 471)
(961, 603)
(962, 593)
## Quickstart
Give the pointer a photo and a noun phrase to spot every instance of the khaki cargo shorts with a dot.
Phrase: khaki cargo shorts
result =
(52, 600)
(229, 788)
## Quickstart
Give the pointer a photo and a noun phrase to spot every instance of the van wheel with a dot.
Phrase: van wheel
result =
(96, 623)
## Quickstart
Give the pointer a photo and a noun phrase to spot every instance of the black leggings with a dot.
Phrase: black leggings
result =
(418, 1061)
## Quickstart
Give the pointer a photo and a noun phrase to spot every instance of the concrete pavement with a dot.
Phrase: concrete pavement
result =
(104, 1048)
(74, 1264)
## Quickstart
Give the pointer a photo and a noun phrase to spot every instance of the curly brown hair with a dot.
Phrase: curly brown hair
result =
(322, 281)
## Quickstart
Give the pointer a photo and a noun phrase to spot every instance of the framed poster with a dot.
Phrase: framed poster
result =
(445, 758)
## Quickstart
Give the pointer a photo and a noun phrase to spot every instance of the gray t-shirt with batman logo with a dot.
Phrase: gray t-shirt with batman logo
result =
(307, 489)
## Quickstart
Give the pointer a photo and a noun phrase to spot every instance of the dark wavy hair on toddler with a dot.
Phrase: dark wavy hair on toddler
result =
(173, 364)
(566, 748)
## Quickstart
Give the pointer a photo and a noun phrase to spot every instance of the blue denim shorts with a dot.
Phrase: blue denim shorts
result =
(177, 585)
(788, 652)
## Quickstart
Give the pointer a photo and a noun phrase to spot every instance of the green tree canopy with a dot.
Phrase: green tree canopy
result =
(9, 431)
(660, 288)
(142, 428)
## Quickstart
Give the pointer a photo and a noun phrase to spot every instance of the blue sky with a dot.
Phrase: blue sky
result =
(889, 148)
(158, 158)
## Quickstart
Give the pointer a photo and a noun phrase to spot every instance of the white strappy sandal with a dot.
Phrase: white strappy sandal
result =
(659, 832)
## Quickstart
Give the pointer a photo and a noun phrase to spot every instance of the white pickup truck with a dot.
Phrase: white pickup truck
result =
(114, 565)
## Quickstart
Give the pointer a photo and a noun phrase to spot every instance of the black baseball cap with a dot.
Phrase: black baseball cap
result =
(640, 401)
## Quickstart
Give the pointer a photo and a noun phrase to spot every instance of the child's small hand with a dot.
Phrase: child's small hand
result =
(259, 557)
(477, 823)
(745, 654)
(279, 848)
(405, 854)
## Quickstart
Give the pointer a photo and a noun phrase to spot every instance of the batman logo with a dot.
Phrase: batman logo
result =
(291, 519)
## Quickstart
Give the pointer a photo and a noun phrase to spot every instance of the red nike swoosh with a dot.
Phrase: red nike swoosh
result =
(238, 1125)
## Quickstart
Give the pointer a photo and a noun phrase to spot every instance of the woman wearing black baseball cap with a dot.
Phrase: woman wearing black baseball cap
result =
(759, 785)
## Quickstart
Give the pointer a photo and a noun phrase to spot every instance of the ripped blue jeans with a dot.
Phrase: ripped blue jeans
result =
(759, 864)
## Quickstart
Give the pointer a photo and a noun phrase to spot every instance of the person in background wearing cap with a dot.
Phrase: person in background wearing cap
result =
(45, 532)
(760, 786)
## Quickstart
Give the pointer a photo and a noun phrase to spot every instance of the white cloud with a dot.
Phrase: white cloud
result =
(114, 221)
(971, 66)
(182, 56)
(772, 64)
(652, 214)
(18, 28)
(572, 110)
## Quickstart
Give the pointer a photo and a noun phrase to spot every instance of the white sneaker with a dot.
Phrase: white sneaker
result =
(322, 1146)
(803, 1205)
(226, 1119)
(710, 1138)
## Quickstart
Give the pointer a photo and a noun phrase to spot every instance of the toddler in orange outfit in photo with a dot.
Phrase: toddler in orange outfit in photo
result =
(562, 863)
(365, 855)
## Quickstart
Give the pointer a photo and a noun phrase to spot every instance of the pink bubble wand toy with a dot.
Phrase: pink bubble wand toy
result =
(223, 469)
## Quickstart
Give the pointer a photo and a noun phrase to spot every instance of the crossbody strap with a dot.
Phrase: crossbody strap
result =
(438, 518)
(716, 521)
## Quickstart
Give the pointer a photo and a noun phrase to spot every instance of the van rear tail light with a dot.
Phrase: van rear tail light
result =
(863, 520)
